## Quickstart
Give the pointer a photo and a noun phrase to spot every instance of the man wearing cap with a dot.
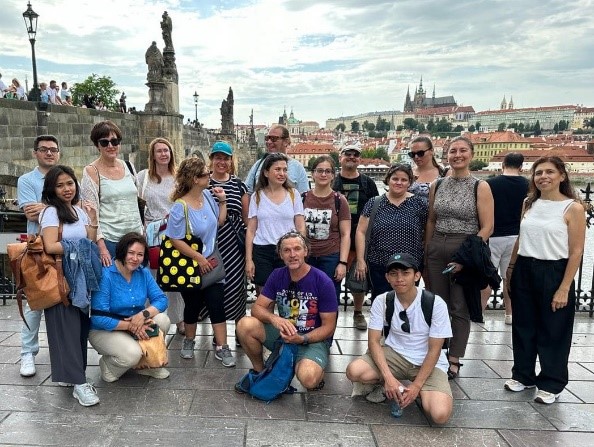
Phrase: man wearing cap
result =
(412, 349)
(279, 140)
(29, 188)
(358, 189)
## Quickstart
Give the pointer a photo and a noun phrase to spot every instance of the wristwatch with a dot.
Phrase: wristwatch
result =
(146, 314)
(305, 339)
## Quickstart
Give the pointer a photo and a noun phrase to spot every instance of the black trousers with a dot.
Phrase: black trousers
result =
(536, 329)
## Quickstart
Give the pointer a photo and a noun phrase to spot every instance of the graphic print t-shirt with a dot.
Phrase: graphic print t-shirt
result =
(322, 222)
(301, 302)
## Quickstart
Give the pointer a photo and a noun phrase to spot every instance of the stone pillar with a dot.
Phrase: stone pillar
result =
(156, 97)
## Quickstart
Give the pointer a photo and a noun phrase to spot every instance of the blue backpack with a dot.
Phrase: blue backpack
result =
(275, 379)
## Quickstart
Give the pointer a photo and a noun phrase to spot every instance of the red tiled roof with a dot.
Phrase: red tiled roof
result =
(497, 137)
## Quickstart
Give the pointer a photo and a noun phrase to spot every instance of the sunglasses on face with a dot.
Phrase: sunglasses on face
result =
(351, 154)
(273, 138)
(406, 325)
(104, 142)
(418, 154)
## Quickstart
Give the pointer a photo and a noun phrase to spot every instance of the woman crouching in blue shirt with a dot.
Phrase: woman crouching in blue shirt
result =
(119, 314)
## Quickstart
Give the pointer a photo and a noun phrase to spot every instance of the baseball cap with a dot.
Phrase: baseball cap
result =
(223, 147)
(350, 147)
(402, 259)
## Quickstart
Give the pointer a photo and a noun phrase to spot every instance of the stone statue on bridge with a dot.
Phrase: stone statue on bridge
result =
(167, 28)
(227, 114)
(154, 60)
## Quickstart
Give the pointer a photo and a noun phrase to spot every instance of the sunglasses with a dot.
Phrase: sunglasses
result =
(418, 154)
(104, 142)
(273, 138)
(351, 154)
(406, 325)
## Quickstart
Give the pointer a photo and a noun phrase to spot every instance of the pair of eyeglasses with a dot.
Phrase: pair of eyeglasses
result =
(273, 138)
(418, 154)
(104, 142)
(406, 325)
(321, 171)
(203, 174)
(45, 150)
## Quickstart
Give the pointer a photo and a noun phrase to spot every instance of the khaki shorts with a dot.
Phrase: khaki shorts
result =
(402, 369)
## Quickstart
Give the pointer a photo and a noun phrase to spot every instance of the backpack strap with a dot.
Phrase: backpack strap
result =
(390, 296)
(427, 302)
(336, 200)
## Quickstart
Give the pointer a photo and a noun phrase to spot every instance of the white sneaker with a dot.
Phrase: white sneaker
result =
(28, 365)
(515, 386)
(65, 384)
(544, 397)
(377, 395)
(508, 320)
(106, 374)
(86, 394)
(156, 373)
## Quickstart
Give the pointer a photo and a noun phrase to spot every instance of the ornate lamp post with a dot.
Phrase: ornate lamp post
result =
(30, 18)
(196, 96)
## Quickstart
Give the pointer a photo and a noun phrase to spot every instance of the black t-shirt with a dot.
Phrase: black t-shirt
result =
(509, 192)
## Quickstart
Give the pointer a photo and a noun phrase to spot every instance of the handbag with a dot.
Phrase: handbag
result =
(352, 282)
(177, 272)
(39, 275)
(154, 352)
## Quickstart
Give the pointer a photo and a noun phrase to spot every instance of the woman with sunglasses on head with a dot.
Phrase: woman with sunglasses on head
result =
(155, 185)
(460, 205)
(275, 208)
(193, 199)
(541, 273)
(327, 222)
(109, 185)
(398, 227)
(426, 168)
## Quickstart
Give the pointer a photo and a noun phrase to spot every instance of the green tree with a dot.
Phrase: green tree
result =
(521, 127)
(368, 153)
(431, 125)
(382, 125)
(563, 125)
(421, 127)
(310, 163)
(335, 157)
(382, 153)
(537, 130)
(399, 128)
(471, 128)
(340, 128)
(501, 127)
(355, 127)
(458, 128)
(410, 123)
(477, 165)
(556, 128)
(443, 125)
(100, 87)
(478, 125)
(513, 126)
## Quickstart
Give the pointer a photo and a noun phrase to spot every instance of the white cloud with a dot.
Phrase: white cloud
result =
(323, 58)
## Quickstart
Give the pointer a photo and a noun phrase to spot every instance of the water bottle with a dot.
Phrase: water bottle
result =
(395, 408)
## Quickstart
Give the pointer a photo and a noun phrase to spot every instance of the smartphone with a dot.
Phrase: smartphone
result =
(213, 262)
(152, 331)
(449, 269)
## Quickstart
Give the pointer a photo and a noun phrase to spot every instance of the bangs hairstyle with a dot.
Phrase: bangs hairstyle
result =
(152, 166)
(322, 159)
(49, 196)
(399, 167)
(102, 130)
(565, 187)
(184, 177)
(126, 242)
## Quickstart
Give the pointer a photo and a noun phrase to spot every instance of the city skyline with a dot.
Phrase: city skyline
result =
(322, 59)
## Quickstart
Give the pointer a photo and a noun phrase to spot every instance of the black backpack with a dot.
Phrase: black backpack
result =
(427, 302)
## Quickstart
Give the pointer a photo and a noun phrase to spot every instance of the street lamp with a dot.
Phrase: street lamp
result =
(196, 96)
(30, 18)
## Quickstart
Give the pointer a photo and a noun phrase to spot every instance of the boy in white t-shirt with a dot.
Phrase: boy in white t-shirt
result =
(412, 349)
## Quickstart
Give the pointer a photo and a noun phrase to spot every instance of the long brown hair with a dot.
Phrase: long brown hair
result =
(426, 140)
(152, 166)
(565, 187)
(184, 177)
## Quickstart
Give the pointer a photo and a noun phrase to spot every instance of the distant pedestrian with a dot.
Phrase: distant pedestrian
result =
(123, 103)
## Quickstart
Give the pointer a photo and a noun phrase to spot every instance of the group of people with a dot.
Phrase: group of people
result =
(296, 245)
(12, 91)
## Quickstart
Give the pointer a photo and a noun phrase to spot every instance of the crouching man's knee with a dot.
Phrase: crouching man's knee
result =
(309, 373)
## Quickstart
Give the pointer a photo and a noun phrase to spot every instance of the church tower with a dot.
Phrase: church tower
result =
(503, 103)
(511, 103)
(408, 105)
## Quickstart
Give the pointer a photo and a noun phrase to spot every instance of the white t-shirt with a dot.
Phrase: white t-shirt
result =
(74, 231)
(274, 220)
(413, 346)
(51, 93)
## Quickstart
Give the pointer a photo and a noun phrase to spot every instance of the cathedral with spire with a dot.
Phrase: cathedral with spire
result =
(421, 101)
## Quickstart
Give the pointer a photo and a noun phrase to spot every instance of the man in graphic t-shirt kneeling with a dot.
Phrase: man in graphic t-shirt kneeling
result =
(307, 312)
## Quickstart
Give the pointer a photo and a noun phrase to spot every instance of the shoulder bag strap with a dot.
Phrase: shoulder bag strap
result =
(144, 183)
(188, 224)
(376, 203)
(98, 181)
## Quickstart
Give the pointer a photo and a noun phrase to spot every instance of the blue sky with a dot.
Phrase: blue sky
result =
(323, 58)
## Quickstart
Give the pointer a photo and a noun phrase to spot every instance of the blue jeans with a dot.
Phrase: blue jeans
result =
(30, 337)
(327, 264)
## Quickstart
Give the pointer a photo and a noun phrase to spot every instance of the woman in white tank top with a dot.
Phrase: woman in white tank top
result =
(541, 275)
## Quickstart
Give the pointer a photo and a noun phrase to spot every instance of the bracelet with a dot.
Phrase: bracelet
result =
(343, 263)
(94, 226)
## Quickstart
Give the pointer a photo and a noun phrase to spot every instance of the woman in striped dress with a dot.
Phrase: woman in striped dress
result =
(230, 245)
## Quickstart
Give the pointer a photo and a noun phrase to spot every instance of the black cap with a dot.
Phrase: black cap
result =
(402, 259)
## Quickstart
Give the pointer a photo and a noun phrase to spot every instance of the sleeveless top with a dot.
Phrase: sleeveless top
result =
(455, 206)
(543, 231)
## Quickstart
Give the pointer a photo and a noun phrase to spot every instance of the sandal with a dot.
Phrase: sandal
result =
(453, 374)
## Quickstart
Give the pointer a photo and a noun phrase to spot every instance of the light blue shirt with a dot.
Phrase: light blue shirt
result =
(296, 173)
(118, 296)
(29, 189)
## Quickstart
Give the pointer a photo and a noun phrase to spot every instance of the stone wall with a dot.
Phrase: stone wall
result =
(21, 122)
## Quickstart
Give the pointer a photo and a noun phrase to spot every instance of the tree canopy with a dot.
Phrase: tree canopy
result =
(102, 88)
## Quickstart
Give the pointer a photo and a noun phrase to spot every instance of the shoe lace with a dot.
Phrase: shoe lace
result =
(87, 389)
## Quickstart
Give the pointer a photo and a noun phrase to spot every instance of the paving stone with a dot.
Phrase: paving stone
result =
(200, 378)
(15, 340)
(581, 390)
(58, 428)
(390, 436)
(490, 338)
(37, 398)
(568, 417)
(230, 404)
(146, 401)
(10, 375)
(335, 383)
(488, 414)
(9, 354)
(526, 438)
(175, 360)
(339, 363)
(582, 340)
(129, 380)
(298, 434)
(176, 431)
(486, 352)
(4, 335)
(352, 347)
(331, 408)
(493, 389)
(581, 354)
(347, 333)
(476, 368)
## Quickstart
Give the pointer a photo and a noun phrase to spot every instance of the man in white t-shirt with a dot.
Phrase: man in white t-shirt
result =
(412, 349)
